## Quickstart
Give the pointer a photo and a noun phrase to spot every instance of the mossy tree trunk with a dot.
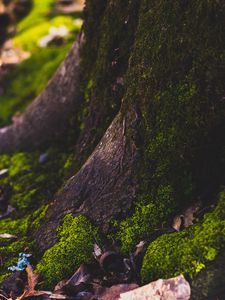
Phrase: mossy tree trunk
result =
(151, 117)
(159, 87)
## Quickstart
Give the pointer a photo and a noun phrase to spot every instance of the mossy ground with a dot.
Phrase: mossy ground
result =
(32, 188)
(30, 77)
(189, 251)
(32, 184)
(75, 246)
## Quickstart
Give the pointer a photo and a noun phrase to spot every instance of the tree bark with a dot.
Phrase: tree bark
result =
(103, 189)
(49, 116)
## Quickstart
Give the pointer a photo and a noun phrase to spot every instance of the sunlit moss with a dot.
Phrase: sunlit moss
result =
(148, 214)
(188, 251)
(28, 39)
(28, 79)
(75, 246)
(39, 12)
(33, 183)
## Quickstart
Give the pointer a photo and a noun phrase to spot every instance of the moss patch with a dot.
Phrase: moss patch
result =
(27, 80)
(148, 214)
(176, 78)
(33, 183)
(28, 39)
(188, 251)
(75, 246)
(9, 249)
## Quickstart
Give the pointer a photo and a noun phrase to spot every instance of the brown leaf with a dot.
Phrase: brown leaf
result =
(32, 280)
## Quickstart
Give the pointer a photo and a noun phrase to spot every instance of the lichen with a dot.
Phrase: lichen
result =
(75, 246)
(188, 251)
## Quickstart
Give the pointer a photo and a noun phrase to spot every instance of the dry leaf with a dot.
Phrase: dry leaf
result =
(29, 291)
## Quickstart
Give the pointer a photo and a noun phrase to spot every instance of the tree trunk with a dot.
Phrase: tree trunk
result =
(49, 116)
(152, 76)
(103, 189)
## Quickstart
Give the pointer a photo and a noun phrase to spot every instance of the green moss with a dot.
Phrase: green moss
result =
(75, 246)
(39, 215)
(38, 14)
(33, 183)
(27, 81)
(147, 215)
(176, 79)
(104, 61)
(188, 251)
(28, 39)
(9, 249)
(209, 283)
(17, 227)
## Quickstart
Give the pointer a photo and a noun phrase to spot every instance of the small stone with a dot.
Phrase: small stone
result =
(43, 158)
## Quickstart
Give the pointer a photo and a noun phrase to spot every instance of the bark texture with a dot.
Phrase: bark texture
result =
(103, 189)
(50, 115)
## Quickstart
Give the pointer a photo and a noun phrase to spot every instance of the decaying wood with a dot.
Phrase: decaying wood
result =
(49, 116)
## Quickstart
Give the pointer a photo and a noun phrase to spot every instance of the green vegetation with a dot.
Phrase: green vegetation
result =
(29, 78)
(174, 79)
(33, 183)
(9, 249)
(39, 12)
(188, 251)
(75, 246)
(104, 62)
(28, 39)
(148, 214)
(39, 215)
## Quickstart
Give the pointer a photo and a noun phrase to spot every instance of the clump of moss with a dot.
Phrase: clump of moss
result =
(147, 215)
(33, 183)
(188, 251)
(17, 227)
(75, 246)
(39, 215)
